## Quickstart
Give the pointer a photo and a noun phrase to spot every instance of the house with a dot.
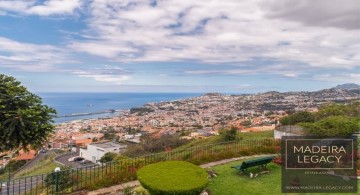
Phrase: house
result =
(200, 134)
(134, 138)
(26, 155)
(83, 142)
(288, 130)
(59, 144)
(95, 151)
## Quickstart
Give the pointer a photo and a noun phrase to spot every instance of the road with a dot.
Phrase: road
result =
(64, 160)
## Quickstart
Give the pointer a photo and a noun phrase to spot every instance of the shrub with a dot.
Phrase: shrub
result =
(14, 165)
(64, 179)
(333, 126)
(228, 134)
(298, 117)
(173, 177)
(109, 156)
(140, 191)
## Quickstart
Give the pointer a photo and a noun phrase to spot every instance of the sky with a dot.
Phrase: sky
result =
(230, 46)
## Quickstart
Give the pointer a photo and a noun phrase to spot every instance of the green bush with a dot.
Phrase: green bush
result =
(173, 177)
(228, 134)
(298, 117)
(140, 191)
(333, 126)
(109, 156)
(14, 165)
(65, 179)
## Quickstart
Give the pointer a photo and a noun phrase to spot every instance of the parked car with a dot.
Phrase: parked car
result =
(78, 159)
(85, 162)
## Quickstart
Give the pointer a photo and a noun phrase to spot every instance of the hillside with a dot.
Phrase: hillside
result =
(347, 86)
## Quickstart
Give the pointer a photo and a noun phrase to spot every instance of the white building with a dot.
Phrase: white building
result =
(288, 130)
(95, 151)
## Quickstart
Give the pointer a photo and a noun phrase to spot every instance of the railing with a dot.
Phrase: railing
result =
(123, 170)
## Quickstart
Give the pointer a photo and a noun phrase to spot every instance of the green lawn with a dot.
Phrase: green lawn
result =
(229, 181)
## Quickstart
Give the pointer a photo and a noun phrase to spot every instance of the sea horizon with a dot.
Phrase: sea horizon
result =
(74, 103)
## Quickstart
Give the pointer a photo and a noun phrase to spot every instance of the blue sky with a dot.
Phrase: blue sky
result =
(180, 46)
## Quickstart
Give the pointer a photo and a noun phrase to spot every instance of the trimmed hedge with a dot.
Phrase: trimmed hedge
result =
(173, 177)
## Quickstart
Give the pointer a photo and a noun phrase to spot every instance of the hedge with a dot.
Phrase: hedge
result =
(173, 177)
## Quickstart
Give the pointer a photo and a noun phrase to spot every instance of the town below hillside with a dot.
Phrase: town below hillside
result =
(200, 117)
(166, 126)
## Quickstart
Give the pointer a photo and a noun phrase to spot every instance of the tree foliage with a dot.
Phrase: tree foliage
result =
(24, 121)
(228, 134)
(13, 165)
(298, 117)
(333, 126)
(109, 156)
(63, 177)
(331, 120)
(350, 110)
(153, 144)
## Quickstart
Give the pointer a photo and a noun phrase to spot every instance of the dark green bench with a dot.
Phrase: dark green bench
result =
(262, 162)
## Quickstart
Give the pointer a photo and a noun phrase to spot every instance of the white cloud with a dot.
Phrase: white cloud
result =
(108, 78)
(55, 7)
(335, 13)
(339, 78)
(107, 74)
(217, 32)
(41, 8)
(31, 57)
(296, 38)
(102, 49)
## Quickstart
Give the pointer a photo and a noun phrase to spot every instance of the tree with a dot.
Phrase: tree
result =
(63, 177)
(24, 121)
(333, 126)
(228, 134)
(153, 144)
(351, 110)
(298, 117)
(109, 156)
(95, 139)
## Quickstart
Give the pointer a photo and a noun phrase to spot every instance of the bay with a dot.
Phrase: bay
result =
(76, 103)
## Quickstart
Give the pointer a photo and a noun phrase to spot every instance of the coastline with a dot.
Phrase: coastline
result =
(93, 105)
(114, 114)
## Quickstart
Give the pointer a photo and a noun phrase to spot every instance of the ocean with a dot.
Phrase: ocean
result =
(75, 103)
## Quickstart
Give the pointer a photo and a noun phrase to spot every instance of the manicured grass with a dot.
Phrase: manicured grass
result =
(173, 177)
(229, 181)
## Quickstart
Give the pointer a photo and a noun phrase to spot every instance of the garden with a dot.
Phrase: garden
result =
(223, 180)
(230, 181)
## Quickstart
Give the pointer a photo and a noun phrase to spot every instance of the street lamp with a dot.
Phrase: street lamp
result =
(57, 170)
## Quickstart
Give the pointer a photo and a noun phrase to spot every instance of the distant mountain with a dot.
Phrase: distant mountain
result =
(347, 86)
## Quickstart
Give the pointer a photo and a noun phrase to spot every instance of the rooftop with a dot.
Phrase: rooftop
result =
(106, 145)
